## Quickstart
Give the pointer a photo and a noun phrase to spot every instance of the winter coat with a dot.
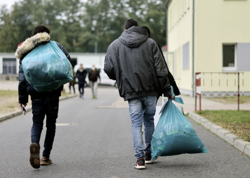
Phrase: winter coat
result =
(81, 76)
(171, 78)
(94, 75)
(24, 88)
(135, 62)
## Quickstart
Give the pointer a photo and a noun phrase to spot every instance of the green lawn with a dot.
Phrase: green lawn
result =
(8, 93)
(9, 101)
(237, 122)
(231, 99)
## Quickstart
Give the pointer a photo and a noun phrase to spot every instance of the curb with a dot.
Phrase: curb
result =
(16, 113)
(224, 134)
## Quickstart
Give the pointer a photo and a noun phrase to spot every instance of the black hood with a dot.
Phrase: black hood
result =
(134, 36)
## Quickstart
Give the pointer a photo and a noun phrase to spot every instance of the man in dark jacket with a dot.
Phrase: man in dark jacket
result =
(135, 62)
(45, 103)
(94, 74)
(81, 75)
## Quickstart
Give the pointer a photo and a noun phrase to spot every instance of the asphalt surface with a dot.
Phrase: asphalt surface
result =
(94, 142)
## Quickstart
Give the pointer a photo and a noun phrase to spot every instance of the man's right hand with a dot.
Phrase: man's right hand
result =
(20, 105)
(172, 97)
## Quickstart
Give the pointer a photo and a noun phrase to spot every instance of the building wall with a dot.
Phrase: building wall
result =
(180, 33)
(7, 55)
(219, 22)
(88, 59)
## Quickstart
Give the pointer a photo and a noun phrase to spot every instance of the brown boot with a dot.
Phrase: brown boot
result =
(45, 161)
(35, 155)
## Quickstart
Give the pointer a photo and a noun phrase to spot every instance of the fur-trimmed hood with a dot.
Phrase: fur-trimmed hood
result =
(30, 43)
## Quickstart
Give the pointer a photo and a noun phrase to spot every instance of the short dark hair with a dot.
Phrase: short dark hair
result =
(130, 23)
(147, 30)
(41, 29)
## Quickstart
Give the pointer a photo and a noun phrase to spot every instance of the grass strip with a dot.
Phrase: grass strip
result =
(237, 122)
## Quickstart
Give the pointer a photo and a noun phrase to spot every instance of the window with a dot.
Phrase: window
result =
(9, 66)
(243, 57)
(185, 56)
(229, 56)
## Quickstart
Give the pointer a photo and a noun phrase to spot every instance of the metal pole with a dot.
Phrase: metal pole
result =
(193, 38)
(238, 91)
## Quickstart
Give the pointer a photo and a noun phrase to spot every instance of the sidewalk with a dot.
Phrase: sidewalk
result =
(189, 102)
(189, 105)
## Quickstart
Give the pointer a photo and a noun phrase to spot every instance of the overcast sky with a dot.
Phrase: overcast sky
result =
(7, 2)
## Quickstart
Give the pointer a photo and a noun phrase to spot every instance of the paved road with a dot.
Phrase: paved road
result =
(99, 144)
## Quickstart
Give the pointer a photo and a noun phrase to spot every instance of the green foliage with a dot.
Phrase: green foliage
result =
(79, 25)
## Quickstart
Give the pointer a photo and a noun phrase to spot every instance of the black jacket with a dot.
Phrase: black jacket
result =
(171, 78)
(137, 65)
(81, 76)
(94, 75)
(24, 88)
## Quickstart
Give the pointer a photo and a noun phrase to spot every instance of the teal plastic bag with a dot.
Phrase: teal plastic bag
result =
(46, 67)
(174, 134)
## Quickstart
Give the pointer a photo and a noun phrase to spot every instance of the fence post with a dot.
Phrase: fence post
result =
(197, 89)
(238, 91)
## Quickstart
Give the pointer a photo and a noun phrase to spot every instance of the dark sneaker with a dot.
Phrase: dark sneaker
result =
(140, 164)
(45, 161)
(148, 158)
(35, 155)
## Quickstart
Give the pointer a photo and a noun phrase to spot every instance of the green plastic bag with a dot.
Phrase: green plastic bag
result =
(174, 134)
(46, 67)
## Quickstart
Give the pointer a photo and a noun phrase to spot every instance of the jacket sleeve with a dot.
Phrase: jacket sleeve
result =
(64, 51)
(22, 87)
(170, 77)
(161, 71)
(109, 66)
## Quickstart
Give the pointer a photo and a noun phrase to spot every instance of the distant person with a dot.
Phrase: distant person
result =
(94, 74)
(135, 62)
(43, 103)
(81, 76)
(72, 83)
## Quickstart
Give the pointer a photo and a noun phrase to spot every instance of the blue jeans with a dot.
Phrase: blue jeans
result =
(40, 108)
(142, 110)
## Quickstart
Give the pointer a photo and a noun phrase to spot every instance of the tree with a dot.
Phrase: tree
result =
(78, 25)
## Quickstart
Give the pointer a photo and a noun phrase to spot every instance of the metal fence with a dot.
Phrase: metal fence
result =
(218, 84)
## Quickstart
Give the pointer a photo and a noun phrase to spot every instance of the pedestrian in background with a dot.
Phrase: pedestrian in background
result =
(43, 103)
(81, 76)
(135, 62)
(72, 83)
(94, 74)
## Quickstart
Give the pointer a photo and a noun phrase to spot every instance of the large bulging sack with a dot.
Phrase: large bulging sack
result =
(174, 134)
(46, 67)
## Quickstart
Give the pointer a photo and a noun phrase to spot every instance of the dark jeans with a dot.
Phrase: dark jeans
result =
(81, 89)
(40, 108)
